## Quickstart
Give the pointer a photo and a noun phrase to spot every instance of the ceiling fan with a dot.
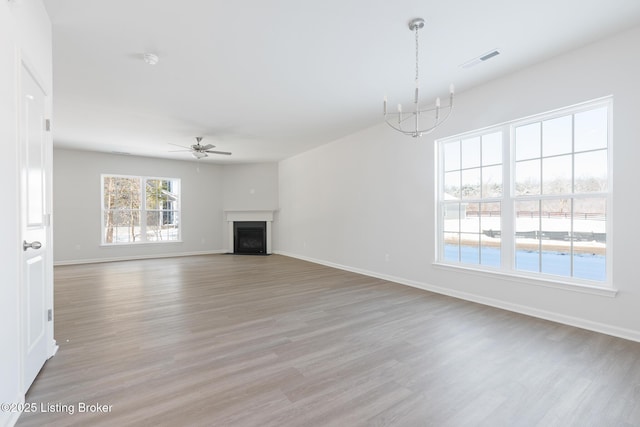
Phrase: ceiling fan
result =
(200, 151)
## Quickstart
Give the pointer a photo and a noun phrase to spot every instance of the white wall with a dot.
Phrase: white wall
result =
(24, 28)
(251, 186)
(207, 190)
(355, 201)
(77, 204)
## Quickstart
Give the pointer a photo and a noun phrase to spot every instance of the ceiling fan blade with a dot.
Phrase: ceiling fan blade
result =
(207, 147)
(226, 153)
(180, 146)
(175, 151)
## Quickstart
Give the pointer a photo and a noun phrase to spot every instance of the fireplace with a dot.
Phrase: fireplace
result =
(250, 237)
(254, 227)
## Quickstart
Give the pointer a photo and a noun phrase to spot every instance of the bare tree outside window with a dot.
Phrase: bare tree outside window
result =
(140, 209)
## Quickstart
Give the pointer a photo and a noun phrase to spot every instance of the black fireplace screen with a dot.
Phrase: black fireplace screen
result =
(250, 237)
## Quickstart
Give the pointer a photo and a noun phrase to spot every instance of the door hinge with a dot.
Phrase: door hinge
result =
(47, 125)
(50, 315)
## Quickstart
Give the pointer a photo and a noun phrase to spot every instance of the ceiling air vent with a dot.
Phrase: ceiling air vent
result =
(484, 57)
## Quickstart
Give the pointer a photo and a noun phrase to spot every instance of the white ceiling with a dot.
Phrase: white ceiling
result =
(267, 79)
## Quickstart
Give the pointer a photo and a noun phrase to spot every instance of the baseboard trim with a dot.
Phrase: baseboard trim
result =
(136, 257)
(603, 328)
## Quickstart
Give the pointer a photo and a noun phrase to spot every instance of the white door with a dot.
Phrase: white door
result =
(35, 221)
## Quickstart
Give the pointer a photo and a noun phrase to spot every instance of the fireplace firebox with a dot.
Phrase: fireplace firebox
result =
(250, 237)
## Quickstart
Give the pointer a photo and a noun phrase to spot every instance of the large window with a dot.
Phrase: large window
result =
(140, 209)
(529, 196)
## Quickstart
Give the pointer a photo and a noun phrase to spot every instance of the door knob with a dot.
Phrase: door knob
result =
(32, 245)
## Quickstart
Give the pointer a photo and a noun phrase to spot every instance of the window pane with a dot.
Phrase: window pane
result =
(591, 129)
(492, 149)
(470, 248)
(556, 175)
(452, 156)
(471, 152)
(161, 194)
(162, 226)
(490, 240)
(121, 193)
(451, 247)
(527, 236)
(452, 185)
(490, 253)
(470, 234)
(490, 222)
(154, 195)
(492, 181)
(452, 214)
(108, 188)
(528, 141)
(450, 231)
(591, 171)
(557, 208)
(171, 194)
(590, 238)
(557, 136)
(470, 221)
(590, 266)
(555, 237)
(154, 226)
(527, 177)
(471, 183)
(122, 226)
(108, 229)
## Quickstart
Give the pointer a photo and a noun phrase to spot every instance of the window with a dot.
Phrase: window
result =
(472, 199)
(529, 196)
(140, 209)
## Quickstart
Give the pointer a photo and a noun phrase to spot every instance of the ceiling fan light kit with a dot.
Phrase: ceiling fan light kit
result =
(409, 123)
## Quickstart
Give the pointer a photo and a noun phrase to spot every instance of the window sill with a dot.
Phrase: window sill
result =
(545, 281)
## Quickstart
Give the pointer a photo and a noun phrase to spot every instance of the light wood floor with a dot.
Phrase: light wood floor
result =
(227, 340)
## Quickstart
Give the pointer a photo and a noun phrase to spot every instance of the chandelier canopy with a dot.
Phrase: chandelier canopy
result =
(411, 122)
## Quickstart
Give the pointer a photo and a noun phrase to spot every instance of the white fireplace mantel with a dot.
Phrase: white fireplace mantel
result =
(232, 216)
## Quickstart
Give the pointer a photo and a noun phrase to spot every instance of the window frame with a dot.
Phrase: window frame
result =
(508, 203)
(142, 211)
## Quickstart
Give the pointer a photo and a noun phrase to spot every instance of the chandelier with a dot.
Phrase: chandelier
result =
(410, 123)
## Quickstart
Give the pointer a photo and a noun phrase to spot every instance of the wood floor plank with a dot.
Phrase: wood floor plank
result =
(223, 340)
